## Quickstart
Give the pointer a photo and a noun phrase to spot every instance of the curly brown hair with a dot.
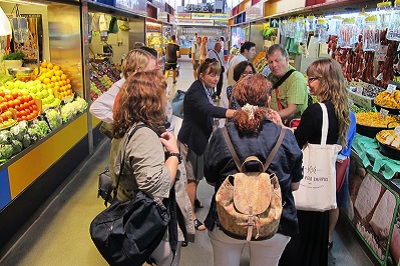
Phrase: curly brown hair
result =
(143, 99)
(256, 91)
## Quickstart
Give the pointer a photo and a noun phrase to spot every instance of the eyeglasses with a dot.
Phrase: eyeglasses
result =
(210, 60)
(310, 80)
(245, 73)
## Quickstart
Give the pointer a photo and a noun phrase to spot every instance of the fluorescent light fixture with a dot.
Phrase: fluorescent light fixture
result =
(5, 26)
(25, 2)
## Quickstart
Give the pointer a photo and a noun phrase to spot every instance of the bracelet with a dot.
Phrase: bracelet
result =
(177, 155)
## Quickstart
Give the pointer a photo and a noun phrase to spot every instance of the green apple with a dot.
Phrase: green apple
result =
(39, 94)
(24, 91)
(50, 92)
(32, 89)
(22, 85)
(9, 85)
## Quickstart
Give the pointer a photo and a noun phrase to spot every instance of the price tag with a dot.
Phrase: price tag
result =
(397, 131)
(383, 113)
(391, 88)
(360, 90)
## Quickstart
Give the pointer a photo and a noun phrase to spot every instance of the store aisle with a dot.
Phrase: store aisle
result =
(59, 232)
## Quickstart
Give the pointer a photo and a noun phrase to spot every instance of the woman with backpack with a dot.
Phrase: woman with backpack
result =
(253, 133)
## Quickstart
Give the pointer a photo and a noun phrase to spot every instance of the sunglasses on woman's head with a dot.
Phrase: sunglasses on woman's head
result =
(210, 60)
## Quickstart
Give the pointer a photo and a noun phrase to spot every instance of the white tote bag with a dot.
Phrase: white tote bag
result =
(317, 191)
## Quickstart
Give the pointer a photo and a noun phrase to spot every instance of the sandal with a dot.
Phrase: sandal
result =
(198, 204)
(199, 225)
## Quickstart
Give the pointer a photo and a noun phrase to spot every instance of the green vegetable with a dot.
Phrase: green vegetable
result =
(17, 146)
(14, 56)
(53, 118)
(34, 134)
(17, 132)
(5, 137)
(6, 151)
(26, 141)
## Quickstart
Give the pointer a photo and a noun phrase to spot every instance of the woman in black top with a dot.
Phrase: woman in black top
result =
(253, 134)
(197, 125)
(326, 82)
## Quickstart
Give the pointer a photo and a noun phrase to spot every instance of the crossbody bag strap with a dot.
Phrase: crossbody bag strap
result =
(219, 59)
(274, 151)
(123, 156)
(278, 83)
(231, 148)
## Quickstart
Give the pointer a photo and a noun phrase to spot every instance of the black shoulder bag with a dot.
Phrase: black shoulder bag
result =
(127, 233)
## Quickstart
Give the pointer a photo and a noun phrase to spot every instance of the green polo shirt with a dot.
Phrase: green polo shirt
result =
(292, 90)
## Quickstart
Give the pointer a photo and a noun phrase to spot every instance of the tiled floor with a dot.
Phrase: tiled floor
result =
(59, 232)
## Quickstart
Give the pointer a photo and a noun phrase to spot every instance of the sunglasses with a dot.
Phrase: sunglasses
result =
(210, 60)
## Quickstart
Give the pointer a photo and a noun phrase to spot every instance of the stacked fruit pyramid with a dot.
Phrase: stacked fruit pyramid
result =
(53, 77)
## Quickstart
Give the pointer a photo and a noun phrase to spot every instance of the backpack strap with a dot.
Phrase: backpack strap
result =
(275, 149)
(231, 149)
(270, 157)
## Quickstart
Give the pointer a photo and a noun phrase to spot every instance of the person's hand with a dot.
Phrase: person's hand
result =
(169, 142)
(274, 117)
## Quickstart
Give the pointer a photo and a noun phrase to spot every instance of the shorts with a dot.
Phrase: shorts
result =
(169, 66)
(196, 65)
(193, 163)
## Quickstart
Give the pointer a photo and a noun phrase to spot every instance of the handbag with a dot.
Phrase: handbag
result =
(177, 103)
(341, 171)
(317, 191)
(127, 233)
(107, 129)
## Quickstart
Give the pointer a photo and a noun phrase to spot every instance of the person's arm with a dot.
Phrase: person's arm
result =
(102, 107)
(230, 113)
(147, 160)
(288, 112)
(172, 162)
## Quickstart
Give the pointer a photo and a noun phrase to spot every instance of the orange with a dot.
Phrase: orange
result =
(46, 81)
(43, 64)
(68, 81)
(56, 67)
(58, 78)
(63, 77)
(50, 65)
(57, 72)
(53, 78)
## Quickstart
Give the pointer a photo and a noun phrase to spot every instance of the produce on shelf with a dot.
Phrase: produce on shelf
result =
(389, 137)
(71, 109)
(53, 117)
(52, 76)
(357, 109)
(4, 78)
(388, 100)
(372, 119)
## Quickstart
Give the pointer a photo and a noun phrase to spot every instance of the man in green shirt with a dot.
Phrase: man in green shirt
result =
(292, 93)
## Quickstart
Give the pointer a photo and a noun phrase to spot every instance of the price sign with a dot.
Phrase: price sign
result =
(391, 88)
(383, 113)
(360, 90)
(397, 131)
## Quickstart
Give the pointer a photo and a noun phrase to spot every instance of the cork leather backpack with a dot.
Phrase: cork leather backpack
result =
(249, 204)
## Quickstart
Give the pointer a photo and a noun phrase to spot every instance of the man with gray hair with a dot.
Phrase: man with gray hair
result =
(290, 94)
(218, 54)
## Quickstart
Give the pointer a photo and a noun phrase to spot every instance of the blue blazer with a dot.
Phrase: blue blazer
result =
(197, 123)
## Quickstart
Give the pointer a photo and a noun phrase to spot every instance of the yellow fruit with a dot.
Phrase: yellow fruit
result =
(63, 77)
(46, 81)
(53, 78)
(50, 66)
(57, 72)
(56, 67)
(43, 64)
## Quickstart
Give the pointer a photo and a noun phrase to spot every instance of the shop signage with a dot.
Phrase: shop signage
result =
(203, 22)
(136, 6)
(221, 23)
(183, 16)
(163, 16)
(255, 12)
(209, 16)
(273, 23)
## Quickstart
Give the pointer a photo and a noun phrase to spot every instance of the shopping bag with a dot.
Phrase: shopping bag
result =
(317, 191)
(177, 103)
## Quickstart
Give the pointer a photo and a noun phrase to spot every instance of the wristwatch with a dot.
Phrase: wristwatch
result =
(177, 155)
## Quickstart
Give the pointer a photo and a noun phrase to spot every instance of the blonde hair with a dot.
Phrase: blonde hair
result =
(331, 80)
(135, 60)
